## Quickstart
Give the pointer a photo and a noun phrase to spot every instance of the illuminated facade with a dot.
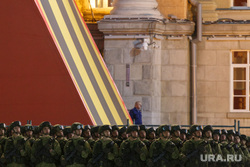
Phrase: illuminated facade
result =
(161, 74)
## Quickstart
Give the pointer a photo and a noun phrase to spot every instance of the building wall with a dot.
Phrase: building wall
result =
(213, 83)
(175, 81)
(176, 7)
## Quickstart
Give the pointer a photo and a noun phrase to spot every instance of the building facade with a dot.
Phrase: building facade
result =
(148, 51)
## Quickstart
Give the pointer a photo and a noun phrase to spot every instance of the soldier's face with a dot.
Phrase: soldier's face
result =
(2, 132)
(208, 134)
(124, 135)
(166, 134)
(216, 137)
(17, 130)
(142, 134)
(134, 134)
(115, 133)
(78, 132)
(236, 139)
(46, 130)
(59, 133)
(87, 133)
(198, 133)
(231, 138)
(183, 136)
(177, 133)
(151, 135)
(106, 133)
(243, 142)
(29, 133)
(223, 137)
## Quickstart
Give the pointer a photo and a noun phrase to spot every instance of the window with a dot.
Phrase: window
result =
(101, 3)
(240, 82)
(240, 3)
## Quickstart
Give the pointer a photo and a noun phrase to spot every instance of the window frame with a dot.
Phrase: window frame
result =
(240, 7)
(232, 66)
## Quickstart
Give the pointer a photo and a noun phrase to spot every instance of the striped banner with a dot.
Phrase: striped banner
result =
(84, 62)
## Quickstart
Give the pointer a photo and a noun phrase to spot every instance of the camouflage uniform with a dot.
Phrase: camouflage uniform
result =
(77, 150)
(238, 151)
(142, 136)
(2, 139)
(216, 147)
(105, 149)
(133, 151)
(244, 149)
(29, 143)
(196, 147)
(87, 135)
(46, 150)
(14, 151)
(115, 129)
(163, 152)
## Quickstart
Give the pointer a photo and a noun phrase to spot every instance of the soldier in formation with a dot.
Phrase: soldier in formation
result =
(101, 146)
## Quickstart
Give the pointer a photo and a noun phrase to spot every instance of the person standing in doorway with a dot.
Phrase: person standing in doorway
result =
(135, 113)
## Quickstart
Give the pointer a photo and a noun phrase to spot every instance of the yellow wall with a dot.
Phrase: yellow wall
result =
(175, 7)
(223, 3)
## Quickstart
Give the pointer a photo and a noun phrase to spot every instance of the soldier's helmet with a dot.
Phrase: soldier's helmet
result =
(103, 128)
(94, 129)
(86, 127)
(57, 128)
(243, 137)
(132, 128)
(207, 128)
(164, 128)
(143, 127)
(28, 127)
(237, 134)
(115, 127)
(45, 124)
(123, 130)
(231, 132)
(184, 131)
(67, 130)
(3, 126)
(14, 124)
(195, 128)
(224, 132)
(76, 126)
(175, 128)
(150, 130)
(217, 131)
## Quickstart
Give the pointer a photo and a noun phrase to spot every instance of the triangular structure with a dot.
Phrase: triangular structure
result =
(51, 69)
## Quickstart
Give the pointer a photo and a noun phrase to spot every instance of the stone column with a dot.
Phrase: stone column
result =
(135, 9)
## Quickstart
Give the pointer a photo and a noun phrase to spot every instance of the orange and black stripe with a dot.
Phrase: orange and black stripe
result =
(85, 65)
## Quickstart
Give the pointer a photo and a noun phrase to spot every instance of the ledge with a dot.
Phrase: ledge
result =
(145, 27)
(238, 115)
(226, 29)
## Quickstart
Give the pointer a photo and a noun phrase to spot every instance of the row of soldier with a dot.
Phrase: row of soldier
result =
(106, 146)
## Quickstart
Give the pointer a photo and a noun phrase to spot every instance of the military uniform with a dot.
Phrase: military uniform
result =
(143, 135)
(14, 151)
(2, 140)
(244, 149)
(134, 152)
(238, 152)
(105, 150)
(77, 151)
(194, 148)
(46, 150)
(216, 147)
(163, 152)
